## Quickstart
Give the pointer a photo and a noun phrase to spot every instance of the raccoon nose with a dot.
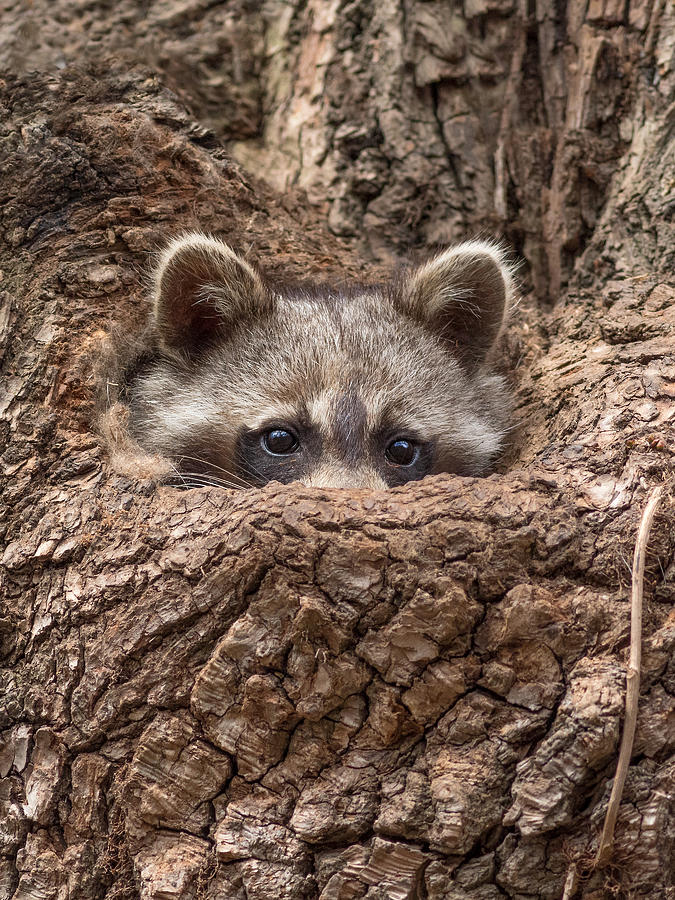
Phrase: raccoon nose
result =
(337, 476)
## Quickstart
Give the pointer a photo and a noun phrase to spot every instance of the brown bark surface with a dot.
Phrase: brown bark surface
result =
(412, 123)
(291, 694)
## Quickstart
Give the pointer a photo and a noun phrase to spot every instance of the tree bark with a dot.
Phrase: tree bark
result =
(285, 693)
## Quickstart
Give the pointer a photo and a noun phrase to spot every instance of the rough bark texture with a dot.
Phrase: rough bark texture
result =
(410, 123)
(286, 694)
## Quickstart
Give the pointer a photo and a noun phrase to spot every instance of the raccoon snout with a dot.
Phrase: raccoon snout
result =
(335, 476)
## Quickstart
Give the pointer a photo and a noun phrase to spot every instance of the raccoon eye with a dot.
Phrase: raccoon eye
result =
(402, 452)
(279, 441)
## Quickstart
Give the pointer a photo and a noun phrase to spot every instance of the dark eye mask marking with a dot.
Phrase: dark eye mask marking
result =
(348, 431)
(279, 441)
(400, 456)
(259, 466)
(402, 452)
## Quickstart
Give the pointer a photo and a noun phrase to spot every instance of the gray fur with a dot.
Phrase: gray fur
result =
(349, 368)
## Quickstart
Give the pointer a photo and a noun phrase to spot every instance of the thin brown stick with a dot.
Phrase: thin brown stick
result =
(632, 679)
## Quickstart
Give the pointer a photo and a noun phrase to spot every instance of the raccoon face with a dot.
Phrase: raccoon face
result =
(369, 387)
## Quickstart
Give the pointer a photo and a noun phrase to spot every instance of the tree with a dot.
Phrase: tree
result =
(291, 694)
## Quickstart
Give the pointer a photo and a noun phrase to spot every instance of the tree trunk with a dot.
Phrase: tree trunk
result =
(285, 693)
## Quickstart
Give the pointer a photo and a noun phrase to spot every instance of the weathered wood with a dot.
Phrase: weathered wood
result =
(291, 694)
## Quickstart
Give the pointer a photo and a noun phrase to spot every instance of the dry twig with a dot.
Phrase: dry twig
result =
(632, 678)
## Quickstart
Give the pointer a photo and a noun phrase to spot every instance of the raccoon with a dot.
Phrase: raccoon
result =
(367, 387)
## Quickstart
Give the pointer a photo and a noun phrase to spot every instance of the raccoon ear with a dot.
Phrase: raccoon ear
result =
(463, 295)
(202, 288)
